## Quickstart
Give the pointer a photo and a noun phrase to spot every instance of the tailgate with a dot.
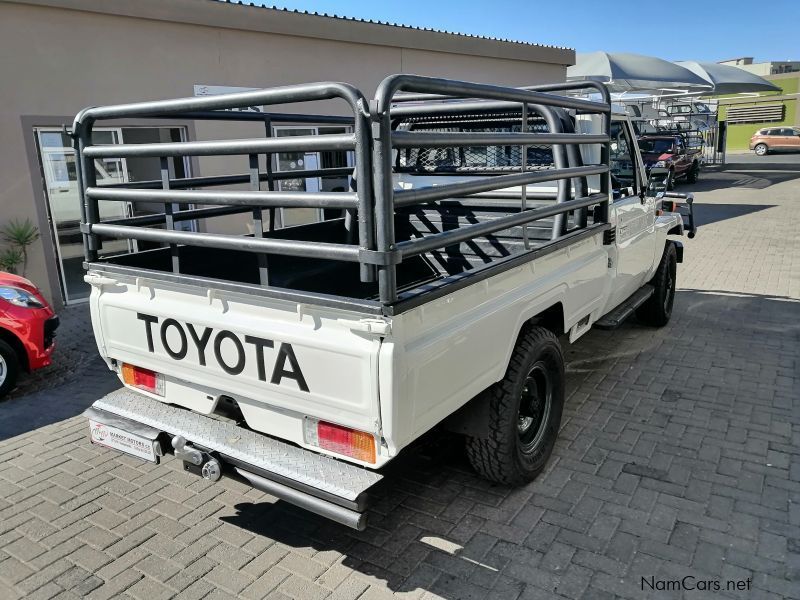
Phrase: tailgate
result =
(280, 361)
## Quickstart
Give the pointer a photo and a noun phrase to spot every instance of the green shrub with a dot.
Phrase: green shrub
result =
(20, 234)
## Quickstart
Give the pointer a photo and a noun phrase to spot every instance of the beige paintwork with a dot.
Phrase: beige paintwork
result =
(59, 56)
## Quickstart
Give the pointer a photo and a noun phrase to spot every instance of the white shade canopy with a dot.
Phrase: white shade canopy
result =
(623, 72)
(727, 79)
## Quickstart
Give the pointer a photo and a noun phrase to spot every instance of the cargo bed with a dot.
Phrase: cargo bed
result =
(336, 278)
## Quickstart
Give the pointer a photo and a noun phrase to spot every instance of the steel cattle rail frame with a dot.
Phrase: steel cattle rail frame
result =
(373, 140)
(490, 97)
(216, 108)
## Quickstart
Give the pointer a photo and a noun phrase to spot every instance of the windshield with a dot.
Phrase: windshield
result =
(656, 146)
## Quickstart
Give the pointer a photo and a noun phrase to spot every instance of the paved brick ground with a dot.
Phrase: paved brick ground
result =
(680, 455)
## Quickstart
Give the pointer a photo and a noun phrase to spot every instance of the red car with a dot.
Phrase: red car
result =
(27, 329)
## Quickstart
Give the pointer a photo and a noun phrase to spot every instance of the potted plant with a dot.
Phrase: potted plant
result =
(20, 234)
(10, 258)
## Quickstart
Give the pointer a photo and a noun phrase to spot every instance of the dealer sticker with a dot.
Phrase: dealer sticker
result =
(117, 439)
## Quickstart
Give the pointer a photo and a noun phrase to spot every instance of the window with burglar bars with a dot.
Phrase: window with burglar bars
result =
(475, 158)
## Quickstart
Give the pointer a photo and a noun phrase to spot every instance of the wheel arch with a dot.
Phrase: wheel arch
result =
(551, 318)
(16, 344)
(472, 418)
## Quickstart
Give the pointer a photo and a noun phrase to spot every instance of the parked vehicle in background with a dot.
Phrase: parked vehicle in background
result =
(690, 115)
(484, 230)
(671, 116)
(771, 139)
(27, 329)
(672, 152)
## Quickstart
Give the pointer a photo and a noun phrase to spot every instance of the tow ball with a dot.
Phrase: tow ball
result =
(196, 461)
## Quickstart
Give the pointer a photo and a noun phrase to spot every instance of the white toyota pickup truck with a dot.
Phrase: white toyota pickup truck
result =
(484, 227)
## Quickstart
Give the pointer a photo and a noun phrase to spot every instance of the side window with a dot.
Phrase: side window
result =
(623, 163)
(787, 131)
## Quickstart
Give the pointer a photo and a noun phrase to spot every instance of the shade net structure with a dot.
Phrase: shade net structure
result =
(624, 72)
(726, 79)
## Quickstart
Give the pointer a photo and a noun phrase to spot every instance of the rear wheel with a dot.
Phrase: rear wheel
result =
(9, 368)
(524, 412)
(658, 308)
(761, 149)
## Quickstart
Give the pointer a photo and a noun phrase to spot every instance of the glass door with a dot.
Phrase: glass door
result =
(63, 205)
(308, 161)
(297, 161)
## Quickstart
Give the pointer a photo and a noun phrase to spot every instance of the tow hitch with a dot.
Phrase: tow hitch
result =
(196, 461)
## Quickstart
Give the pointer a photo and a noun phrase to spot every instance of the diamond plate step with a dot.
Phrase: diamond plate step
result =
(290, 463)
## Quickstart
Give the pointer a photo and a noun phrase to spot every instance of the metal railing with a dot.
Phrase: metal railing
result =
(256, 200)
(432, 95)
(374, 139)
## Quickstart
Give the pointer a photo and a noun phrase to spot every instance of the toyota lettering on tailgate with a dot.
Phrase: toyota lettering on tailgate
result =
(285, 367)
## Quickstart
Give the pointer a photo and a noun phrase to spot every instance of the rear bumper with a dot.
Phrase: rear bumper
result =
(318, 483)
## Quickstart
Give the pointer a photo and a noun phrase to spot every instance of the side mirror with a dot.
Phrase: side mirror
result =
(657, 181)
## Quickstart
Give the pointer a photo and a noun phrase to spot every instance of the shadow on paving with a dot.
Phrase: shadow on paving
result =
(76, 378)
(705, 214)
(649, 416)
(763, 165)
(21, 414)
(747, 177)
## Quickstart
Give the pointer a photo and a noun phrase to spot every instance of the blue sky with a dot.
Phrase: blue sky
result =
(703, 30)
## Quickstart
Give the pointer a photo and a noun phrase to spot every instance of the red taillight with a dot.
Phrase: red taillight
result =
(341, 440)
(142, 378)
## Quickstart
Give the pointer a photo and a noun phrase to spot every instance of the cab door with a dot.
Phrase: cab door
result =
(789, 139)
(634, 213)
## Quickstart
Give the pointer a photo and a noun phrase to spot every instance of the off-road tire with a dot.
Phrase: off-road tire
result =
(502, 456)
(761, 149)
(9, 368)
(658, 308)
(694, 173)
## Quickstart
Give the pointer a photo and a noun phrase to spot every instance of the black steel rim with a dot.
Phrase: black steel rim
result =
(668, 293)
(534, 406)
